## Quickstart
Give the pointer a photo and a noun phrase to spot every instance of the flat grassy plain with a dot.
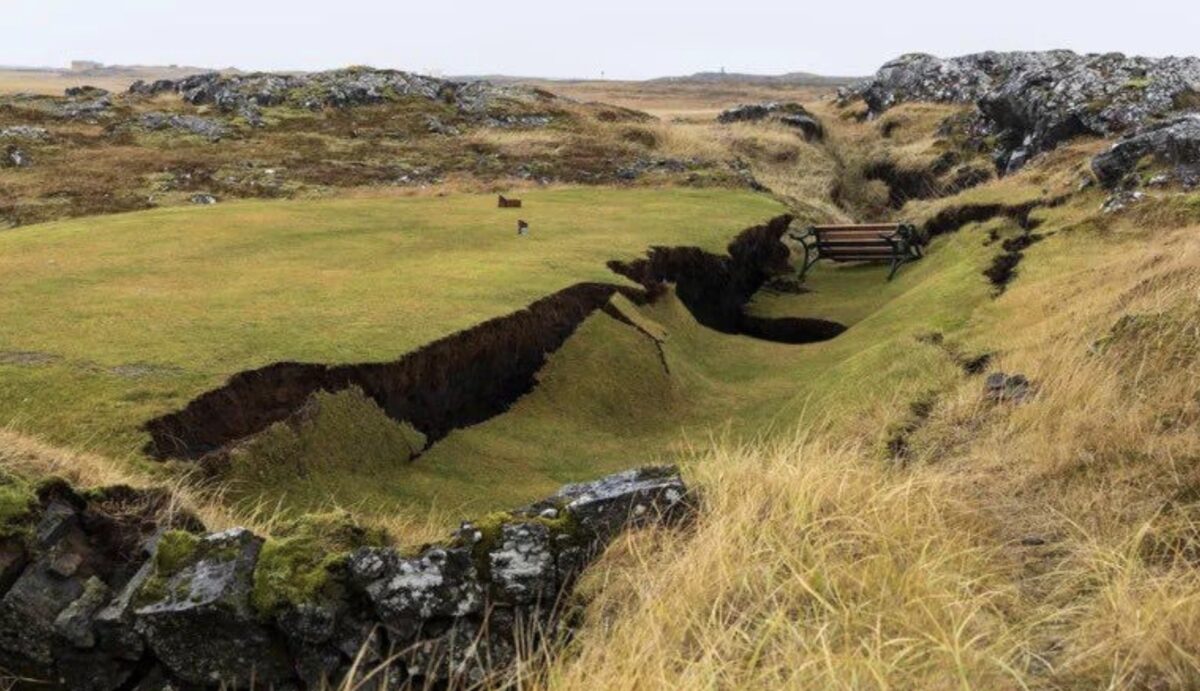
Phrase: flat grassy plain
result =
(111, 321)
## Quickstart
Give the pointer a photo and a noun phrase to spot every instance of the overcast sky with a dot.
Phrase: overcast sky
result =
(560, 38)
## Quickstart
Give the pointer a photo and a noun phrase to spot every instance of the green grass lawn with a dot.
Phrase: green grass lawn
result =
(110, 321)
(607, 401)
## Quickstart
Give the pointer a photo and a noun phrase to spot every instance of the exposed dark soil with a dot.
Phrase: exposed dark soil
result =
(459, 380)
(929, 182)
(971, 363)
(475, 374)
(1003, 268)
(951, 219)
(898, 443)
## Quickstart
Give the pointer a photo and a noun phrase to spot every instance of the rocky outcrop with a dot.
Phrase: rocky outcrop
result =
(790, 114)
(1174, 144)
(210, 129)
(245, 94)
(1029, 102)
(106, 591)
(24, 132)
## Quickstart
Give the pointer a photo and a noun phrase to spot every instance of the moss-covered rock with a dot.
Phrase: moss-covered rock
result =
(305, 559)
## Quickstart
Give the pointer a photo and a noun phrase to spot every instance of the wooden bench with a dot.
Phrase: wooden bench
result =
(896, 243)
(506, 203)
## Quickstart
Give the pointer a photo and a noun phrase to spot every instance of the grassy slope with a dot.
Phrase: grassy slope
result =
(1047, 545)
(110, 321)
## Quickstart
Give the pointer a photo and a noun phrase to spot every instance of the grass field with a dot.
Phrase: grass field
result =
(104, 339)
(110, 321)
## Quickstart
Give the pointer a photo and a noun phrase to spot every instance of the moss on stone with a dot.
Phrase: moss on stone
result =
(491, 533)
(176, 550)
(301, 563)
(18, 499)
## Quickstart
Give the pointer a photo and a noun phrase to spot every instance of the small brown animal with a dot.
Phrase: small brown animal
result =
(522, 227)
(506, 203)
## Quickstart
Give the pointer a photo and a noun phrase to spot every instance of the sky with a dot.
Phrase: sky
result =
(618, 39)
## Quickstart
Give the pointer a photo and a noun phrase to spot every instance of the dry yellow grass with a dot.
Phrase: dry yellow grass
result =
(1047, 545)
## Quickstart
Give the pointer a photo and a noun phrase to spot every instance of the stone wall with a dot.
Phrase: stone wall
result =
(111, 590)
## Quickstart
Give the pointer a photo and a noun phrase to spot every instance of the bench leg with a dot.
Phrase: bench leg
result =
(896, 263)
(810, 258)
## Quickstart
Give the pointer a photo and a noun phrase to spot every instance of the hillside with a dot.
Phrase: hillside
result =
(980, 474)
(786, 79)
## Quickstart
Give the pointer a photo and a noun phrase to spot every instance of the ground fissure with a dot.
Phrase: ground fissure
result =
(478, 373)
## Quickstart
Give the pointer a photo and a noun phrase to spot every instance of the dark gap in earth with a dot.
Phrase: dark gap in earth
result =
(715, 288)
(456, 381)
(1004, 266)
(898, 443)
(971, 364)
(478, 373)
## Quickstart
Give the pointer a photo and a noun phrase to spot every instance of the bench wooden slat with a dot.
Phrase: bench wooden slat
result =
(845, 248)
(854, 242)
(859, 253)
(852, 233)
(867, 227)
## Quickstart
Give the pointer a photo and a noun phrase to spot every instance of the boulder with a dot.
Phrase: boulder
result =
(630, 499)
(405, 592)
(522, 563)
(1174, 143)
(15, 158)
(89, 109)
(85, 92)
(1007, 388)
(197, 618)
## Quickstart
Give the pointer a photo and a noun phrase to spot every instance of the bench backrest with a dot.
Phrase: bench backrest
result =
(863, 242)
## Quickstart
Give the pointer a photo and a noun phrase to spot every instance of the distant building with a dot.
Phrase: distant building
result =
(85, 65)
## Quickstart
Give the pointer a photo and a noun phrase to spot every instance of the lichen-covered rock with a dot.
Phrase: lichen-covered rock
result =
(88, 109)
(197, 618)
(790, 114)
(43, 590)
(1173, 143)
(1029, 102)
(247, 93)
(522, 563)
(405, 592)
(210, 129)
(633, 498)
(26, 132)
